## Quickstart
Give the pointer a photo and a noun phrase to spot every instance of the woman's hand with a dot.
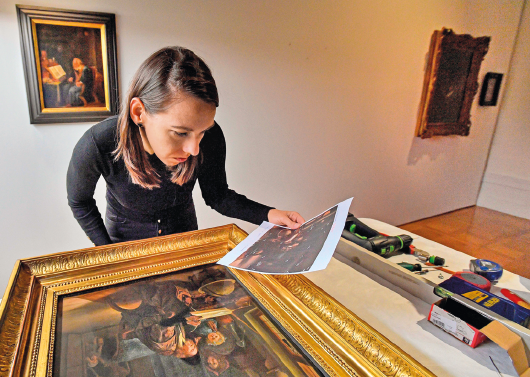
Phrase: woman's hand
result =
(289, 219)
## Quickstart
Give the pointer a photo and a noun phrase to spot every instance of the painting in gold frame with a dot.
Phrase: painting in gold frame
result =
(70, 64)
(312, 333)
(450, 83)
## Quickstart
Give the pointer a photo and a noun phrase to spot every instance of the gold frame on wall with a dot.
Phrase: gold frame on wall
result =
(450, 83)
(340, 342)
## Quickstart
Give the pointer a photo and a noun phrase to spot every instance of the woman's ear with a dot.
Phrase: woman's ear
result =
(137, 110)
(137, 113)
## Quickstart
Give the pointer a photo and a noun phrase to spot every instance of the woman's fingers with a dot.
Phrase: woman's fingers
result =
(296, 217)
(290, 219)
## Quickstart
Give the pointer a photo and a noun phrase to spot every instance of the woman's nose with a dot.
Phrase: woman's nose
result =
(191, 146)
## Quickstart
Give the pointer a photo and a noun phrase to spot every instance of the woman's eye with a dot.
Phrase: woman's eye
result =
(181, 134)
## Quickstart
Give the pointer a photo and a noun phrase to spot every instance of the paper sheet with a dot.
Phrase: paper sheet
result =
(273, 249)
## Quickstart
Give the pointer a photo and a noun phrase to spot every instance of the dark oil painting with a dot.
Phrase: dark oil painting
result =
(199, 322)
(71, 65)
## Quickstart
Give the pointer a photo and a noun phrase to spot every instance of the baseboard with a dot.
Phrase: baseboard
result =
(505, 194)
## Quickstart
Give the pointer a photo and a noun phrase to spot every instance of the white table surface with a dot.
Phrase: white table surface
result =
(402, 317)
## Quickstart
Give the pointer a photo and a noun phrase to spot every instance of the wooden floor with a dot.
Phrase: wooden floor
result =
(481, 233)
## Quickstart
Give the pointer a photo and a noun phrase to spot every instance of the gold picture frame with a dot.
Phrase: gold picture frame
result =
(450, 83)
(336, 341)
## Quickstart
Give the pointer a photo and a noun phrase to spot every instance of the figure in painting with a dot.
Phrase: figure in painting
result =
(218, 366)
(163, 321)
(98, 367)
(99, 360)
(81, 92)
(54, 81)
(44, 64)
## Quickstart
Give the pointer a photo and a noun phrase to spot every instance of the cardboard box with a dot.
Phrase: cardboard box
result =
(473, 329)
(512, 343)
(459, 321)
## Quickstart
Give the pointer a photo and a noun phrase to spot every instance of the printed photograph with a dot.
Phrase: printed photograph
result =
(198, 322)
(282, 250)
(70, 57)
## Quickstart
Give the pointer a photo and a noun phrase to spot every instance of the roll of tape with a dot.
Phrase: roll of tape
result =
(489, 269)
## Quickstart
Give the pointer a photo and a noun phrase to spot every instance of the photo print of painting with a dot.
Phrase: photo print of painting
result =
(197, 322)
(283, 250)
(70, 58)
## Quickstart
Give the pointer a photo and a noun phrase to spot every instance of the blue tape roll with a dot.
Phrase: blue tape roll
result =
(489, 269)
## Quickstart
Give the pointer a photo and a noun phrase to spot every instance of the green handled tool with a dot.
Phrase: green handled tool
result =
(370, 239)
(410, 266)
(417, 267)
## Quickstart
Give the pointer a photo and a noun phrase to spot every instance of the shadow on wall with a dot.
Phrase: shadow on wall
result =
(431, 148)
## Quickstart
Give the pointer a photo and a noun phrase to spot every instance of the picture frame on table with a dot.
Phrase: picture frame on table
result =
(162, 306)
(70, 64)
(450, 83)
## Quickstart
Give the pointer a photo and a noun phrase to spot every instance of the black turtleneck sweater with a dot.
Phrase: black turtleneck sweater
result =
(92, 157)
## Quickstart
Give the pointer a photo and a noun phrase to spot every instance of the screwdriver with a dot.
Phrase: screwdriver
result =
(425, 257)
(415, 267)
(410, 266)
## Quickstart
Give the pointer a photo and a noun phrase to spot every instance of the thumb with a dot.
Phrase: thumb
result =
(296, 217)
(291, 224)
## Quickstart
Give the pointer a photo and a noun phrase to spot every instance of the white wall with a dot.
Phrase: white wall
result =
(506, 185)
(318, 103)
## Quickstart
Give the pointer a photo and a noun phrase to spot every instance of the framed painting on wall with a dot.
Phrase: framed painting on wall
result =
(450, 83)
(70, 64)
(163, 307)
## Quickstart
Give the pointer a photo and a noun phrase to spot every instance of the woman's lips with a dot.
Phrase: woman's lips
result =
(180, 159)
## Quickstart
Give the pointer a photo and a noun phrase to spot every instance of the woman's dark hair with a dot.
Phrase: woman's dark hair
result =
(159, 81)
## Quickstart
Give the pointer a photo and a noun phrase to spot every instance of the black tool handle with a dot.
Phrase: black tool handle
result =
(360, 228)
(356, 240)
(387, 246)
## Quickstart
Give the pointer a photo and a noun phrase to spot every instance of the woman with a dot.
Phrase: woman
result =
(151, 155)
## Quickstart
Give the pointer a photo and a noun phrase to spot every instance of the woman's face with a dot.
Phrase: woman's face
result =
(175, 134)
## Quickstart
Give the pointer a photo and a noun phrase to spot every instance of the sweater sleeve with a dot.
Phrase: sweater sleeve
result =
(85, 168)
(214, 187)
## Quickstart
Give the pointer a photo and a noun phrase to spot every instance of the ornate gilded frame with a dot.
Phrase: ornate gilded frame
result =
(450, 83)
(340, 342)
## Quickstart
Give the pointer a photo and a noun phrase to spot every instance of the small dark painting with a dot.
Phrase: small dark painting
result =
(490, 89)
(70, 64)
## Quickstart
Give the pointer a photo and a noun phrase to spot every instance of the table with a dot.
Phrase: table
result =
(402, 317)
(57, 85)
